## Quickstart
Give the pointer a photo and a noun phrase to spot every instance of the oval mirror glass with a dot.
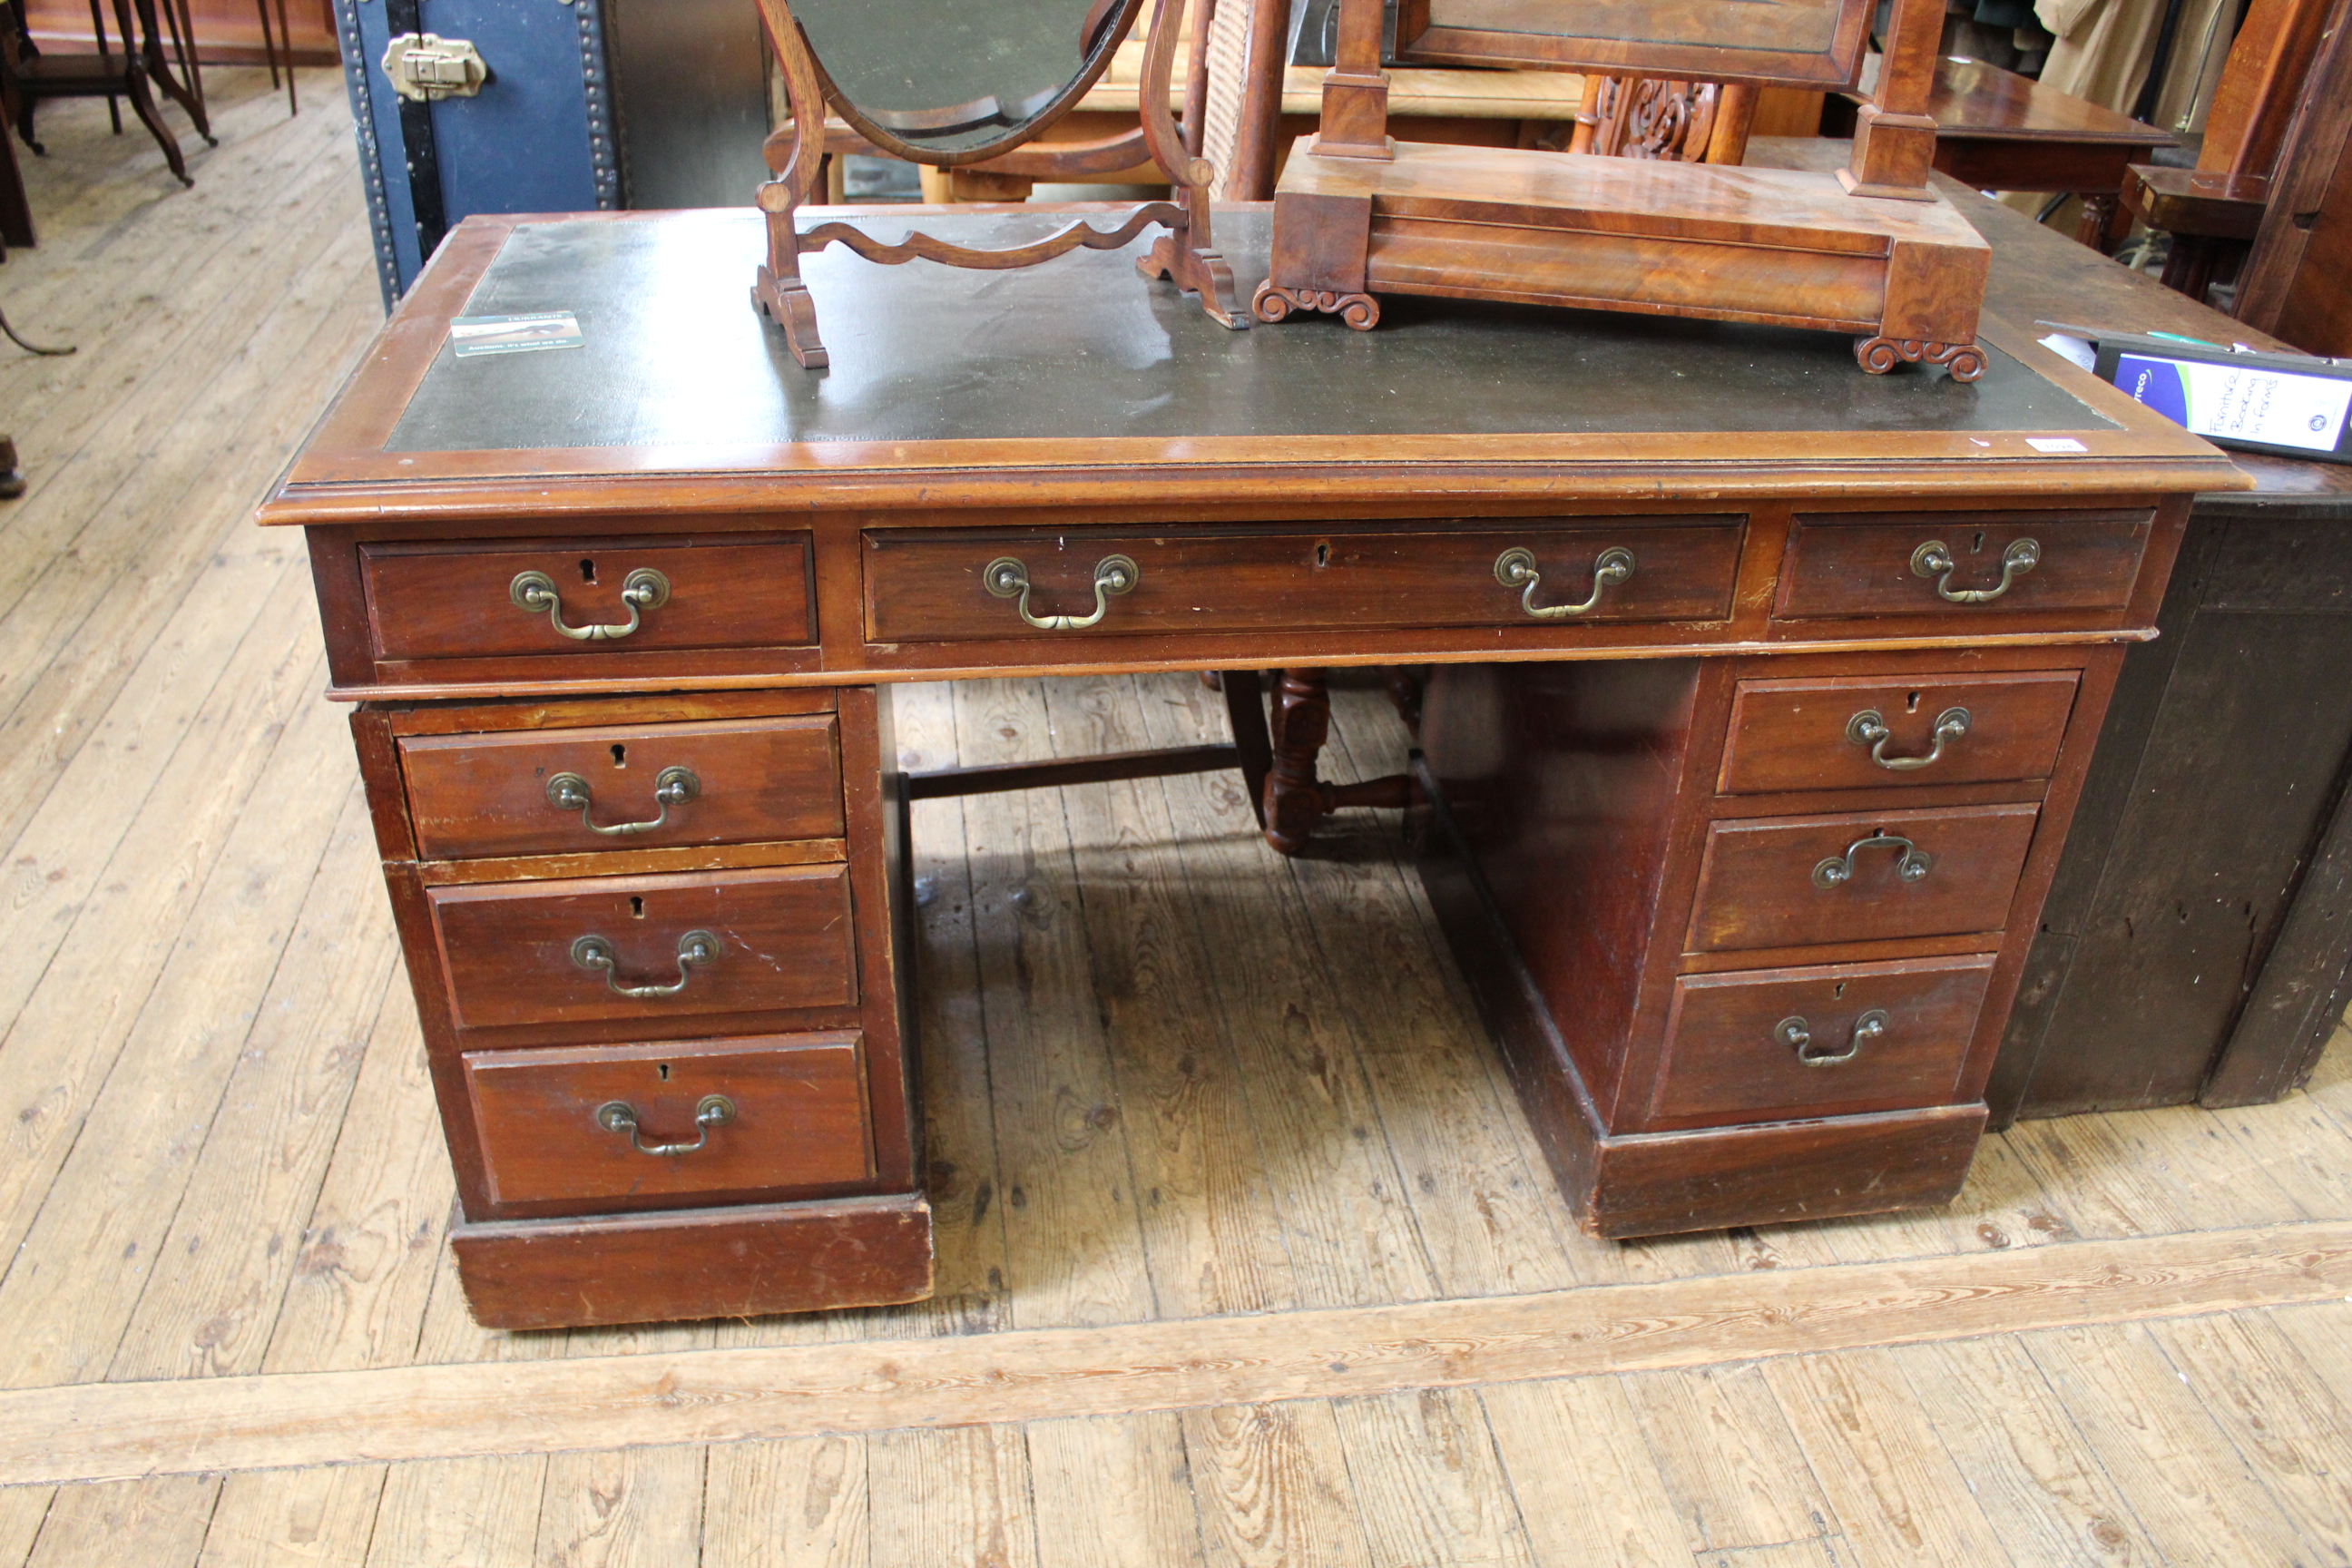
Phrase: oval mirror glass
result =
(956, 79)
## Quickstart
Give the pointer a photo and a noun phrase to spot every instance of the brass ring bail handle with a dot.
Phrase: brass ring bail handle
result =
(1798, 1035)
(1516, 568)
(694, 947)
(1868, 728)
(1114, 574)
(1933, 559)
(620, 1116)
(672, 786)
(534, 594)
(1914, 864)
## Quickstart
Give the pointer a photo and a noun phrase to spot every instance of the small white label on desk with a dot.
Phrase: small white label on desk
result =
(2055, 443)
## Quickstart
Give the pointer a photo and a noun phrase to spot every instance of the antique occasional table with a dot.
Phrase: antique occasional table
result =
(1763, 691)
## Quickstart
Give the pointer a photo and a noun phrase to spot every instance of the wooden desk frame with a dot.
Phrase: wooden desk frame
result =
(1744, 513)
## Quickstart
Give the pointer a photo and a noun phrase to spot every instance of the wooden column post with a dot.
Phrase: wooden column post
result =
(1894, 137)
(1356, 93)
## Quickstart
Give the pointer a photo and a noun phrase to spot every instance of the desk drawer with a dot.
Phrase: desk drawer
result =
(1846, 733)
(930, 586)
(744, 1116)
(613, 595)
(629, 786)
(1800, 881)
(560, 952)
(1832, 1040)
(1925, 563)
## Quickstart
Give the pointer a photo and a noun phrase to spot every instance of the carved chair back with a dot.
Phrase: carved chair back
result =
(1676, 122)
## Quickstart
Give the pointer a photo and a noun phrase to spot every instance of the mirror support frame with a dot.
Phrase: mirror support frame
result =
(1185, 254)
(1873, 251)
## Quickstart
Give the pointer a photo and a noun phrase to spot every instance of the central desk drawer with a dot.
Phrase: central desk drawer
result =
(1803, 881)
(690, 1119)
(572, 950)
(588, 595)
(1961, 565)
(1832, 1040)
(938, 584)
(528, 792)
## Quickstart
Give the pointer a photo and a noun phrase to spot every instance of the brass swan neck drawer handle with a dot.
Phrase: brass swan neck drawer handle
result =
(1516, 568)
(1933, 559)
(1838, 869)
(1798, 1035)
(1868, 728)
(534, 594)
(1114, 574)
(620, 1116)
(694, 947)
(672, 786)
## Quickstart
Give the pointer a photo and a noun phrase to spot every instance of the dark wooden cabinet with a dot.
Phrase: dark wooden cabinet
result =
(2197, 944)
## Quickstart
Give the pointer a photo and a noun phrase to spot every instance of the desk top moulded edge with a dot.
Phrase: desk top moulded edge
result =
(345, 475)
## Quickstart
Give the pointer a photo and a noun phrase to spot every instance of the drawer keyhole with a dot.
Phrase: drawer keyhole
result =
(621, 754)
(1910, 705)
(637, 906)
(663, 1068)
(588, 568)
(1322, 556)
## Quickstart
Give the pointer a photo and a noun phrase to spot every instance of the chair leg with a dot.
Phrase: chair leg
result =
(143, 103)
(1245, 708)
(293, 106)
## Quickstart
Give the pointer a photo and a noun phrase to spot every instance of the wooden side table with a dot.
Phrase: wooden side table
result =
(1998, 131)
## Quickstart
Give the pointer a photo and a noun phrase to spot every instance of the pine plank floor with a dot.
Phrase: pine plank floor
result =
(1245, 1255)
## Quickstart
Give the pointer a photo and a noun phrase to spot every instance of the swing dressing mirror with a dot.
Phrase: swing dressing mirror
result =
(952, 80)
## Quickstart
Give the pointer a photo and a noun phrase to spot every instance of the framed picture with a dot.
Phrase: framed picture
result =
(1792, 43)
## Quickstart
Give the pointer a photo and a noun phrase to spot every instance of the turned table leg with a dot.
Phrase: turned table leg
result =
(1296, 800)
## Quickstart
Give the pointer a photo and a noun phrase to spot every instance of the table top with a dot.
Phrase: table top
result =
(1079, 374)
(1973, 101)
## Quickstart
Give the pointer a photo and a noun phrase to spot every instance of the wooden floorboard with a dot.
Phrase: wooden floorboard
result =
(97, 1430)
(1245, 1253)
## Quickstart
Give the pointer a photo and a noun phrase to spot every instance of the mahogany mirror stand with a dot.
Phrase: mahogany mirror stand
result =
(1871, 250)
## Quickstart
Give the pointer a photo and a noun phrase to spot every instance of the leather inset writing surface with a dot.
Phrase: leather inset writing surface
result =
(673, 356)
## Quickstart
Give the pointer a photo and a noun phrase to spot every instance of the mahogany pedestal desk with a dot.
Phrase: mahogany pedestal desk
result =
(1763, 691)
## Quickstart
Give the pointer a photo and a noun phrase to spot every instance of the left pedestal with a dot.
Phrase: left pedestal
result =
(653, 945)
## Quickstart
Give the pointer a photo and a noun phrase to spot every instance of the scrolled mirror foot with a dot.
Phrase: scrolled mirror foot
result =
(788, 304)
(1274, 303)
(1878, 355)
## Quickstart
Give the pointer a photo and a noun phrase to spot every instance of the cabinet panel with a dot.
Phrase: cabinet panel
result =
(933, 586)
(1870, 733)
(1830, 1040)
(630, 786)
(520, 953)
(692, 1119)
(1806, 880)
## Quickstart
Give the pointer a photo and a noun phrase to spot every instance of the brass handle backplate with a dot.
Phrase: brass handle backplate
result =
(694, 947)
(1114, 574)
(1516, 568)
(1837, 870)
(620, 1116)
(1798, 1035)
(534, 594)
(672, 786)
(1868, 728)
(1933, 559)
